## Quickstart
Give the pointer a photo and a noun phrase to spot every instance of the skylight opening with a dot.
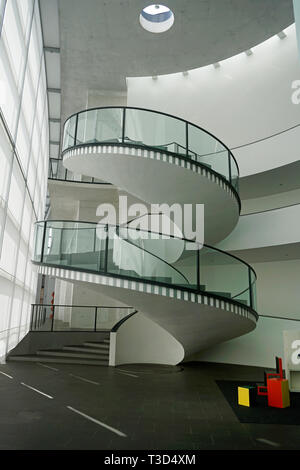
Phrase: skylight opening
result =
(156, 18)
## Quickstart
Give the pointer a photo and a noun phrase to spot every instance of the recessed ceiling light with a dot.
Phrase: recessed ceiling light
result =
(156, 18)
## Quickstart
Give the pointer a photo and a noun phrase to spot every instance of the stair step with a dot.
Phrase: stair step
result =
(57, 360)
(67, 354)
(95, 344)
(87, 349)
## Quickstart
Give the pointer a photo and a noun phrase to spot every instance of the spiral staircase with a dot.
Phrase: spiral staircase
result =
(201, 297)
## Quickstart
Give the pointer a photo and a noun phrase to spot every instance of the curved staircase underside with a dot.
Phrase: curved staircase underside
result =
(196, 321)
(169, 180)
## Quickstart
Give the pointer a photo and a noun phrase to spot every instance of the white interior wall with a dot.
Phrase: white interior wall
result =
(257, 348)
(273, 228)
(246, 99)
(278, 295)
(274, 201)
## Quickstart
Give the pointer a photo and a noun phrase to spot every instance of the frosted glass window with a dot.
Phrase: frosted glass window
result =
(9, 104)
(28, 115)
(22, 261)
(35, 145)
(13, 38)
(34, 57)
(16, 193)
(25, 8)
(31, 177)
(5, 161)
(28, 101)
(10, 246)
(27, 219)
(5, 295)
(23, 143)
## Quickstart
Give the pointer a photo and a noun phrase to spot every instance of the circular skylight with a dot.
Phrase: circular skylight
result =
(156, 18)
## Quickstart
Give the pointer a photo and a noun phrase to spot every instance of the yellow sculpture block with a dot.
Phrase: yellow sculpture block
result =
(246, 395)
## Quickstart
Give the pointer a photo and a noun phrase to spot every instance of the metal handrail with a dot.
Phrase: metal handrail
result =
(38, 316)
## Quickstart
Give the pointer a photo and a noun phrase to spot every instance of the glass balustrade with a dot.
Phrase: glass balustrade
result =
(146, 256)
(153, 130)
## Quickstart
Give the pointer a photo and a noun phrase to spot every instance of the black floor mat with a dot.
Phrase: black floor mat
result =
(261, 413)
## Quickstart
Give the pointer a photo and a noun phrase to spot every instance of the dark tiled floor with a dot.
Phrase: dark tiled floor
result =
(162, 408)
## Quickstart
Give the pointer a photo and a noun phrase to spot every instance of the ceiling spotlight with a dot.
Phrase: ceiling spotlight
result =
(185, 73)
(249, 52)
(154, 77)
(281, 35)
(156, 18)
(217, 65)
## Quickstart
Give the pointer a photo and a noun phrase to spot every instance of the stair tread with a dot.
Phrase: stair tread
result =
(87, 349)
(62, 352)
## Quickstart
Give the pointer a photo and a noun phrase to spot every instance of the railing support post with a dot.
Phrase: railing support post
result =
(187, 138)
(198, 269)
(95, 326)
(52, 323)
(43, 241)
(31, 322)
(229, 167)
(106, 249)
(250, 288)
(123, 125)
(75, 133)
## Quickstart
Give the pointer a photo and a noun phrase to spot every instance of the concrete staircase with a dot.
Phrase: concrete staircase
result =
(88, 353)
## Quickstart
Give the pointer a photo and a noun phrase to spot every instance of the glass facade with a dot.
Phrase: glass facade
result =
(24, 143)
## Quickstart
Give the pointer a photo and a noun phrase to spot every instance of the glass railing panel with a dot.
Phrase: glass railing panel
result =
(69, 133)
(100, 125)
(74, 318)
(234, 173)
(206, 149)
(224, 275)
(73, 244)
(167, 261)
(146, 128)
(141, 255)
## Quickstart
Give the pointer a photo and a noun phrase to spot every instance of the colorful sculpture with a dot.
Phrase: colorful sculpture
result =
(275, 387)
